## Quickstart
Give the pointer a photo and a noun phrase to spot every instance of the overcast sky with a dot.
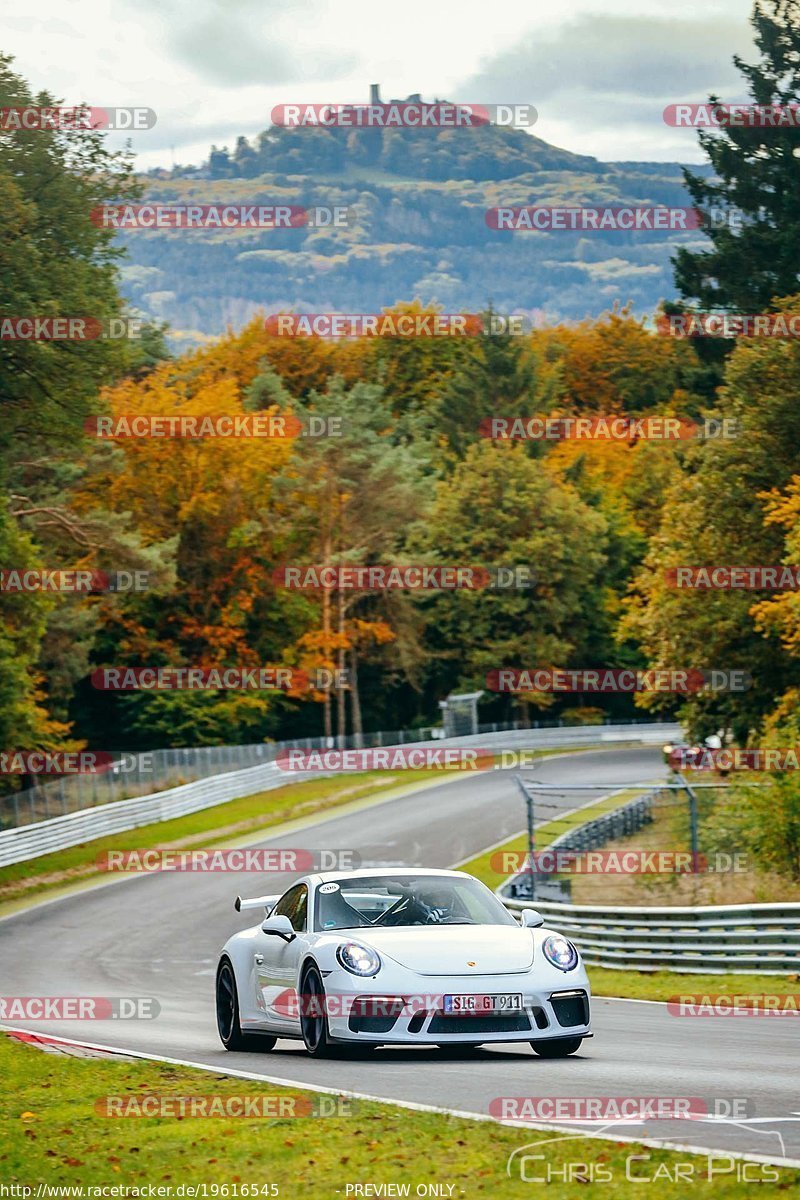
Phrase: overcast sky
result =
(599, 74)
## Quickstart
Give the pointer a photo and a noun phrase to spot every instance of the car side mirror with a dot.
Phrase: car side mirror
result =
(531, 919)
(279, 926)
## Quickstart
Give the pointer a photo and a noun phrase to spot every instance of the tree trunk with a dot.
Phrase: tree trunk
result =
(355, 699)
(326, 631)
(341, 712)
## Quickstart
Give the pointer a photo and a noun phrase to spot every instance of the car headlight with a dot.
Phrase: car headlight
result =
(560, 952)
(358, 960)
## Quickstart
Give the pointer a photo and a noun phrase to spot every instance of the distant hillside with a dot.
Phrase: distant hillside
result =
(419, 199)
(438, 155)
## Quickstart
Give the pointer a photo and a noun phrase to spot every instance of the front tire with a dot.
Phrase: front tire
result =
(313, 1017)
(557, 1048)
(228, 1027)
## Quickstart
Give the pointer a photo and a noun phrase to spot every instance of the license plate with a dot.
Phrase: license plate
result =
(477, 1005)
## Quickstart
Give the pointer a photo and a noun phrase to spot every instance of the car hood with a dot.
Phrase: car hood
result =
(454, 949)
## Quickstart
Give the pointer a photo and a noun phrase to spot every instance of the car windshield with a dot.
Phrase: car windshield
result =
(403, 900)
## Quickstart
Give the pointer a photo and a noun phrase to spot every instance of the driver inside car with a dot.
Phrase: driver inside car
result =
(438, 905)
(425, 906)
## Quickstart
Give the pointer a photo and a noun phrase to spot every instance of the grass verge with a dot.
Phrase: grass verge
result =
(51, 1133)
(665, 985)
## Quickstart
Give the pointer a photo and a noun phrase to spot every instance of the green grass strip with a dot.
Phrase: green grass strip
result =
(52, 1133)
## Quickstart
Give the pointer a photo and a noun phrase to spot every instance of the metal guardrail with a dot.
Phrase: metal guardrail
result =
(72, 829)
(620, 823)
(709, 940)
(31, 841)
(149, 772)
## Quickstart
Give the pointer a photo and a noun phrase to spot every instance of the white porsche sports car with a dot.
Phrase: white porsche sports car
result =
(416, 957)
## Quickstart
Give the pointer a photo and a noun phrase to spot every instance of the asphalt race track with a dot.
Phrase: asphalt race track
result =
(158, 935)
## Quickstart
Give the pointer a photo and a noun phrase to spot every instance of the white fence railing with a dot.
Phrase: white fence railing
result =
(711, 939)
(125, 775)
(715, 939)
(31, 841)
(72, 829)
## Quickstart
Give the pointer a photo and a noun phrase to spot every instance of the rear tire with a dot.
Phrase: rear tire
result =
(228, 1027)
(557, 1048)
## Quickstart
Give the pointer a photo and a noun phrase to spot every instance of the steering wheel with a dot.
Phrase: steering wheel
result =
(418, 912)
(392, 909)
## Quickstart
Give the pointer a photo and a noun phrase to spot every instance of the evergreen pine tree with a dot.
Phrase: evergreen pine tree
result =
(757, 172)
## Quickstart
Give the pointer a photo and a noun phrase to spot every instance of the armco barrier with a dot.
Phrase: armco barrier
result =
(72, 829)
(715, 939)
(156, 771)
(30, 841)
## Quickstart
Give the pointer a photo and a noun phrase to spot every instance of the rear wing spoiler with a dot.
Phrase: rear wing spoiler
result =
(266, 902)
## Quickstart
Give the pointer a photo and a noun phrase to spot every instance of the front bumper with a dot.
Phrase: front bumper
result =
(415, 1016)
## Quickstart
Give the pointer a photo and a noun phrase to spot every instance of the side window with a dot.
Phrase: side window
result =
(293, 905)
(284, 906)
(298, 917)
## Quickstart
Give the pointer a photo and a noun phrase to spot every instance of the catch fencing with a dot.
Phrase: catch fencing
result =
(710, 939)
(31, 840)
(153, 771)
(621, 822)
